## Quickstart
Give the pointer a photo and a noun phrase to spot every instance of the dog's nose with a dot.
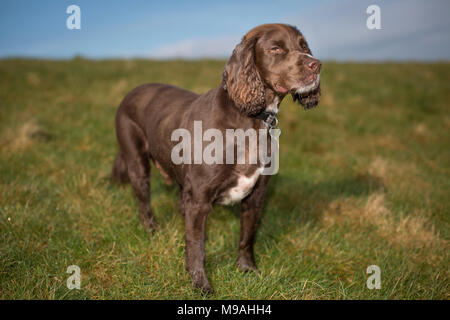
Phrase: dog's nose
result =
(314, 65)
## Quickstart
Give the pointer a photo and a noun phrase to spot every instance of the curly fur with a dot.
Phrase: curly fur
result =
(242, 80)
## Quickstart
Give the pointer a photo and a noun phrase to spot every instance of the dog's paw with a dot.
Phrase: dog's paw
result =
(206, 289)
(201, 281)
(246, 265)
(150, 225)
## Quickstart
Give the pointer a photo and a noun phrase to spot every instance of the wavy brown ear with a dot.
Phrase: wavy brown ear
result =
(242, 80)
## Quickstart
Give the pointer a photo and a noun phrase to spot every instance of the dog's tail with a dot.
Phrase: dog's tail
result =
(119, 171)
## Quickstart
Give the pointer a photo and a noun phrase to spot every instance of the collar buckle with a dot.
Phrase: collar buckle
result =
(271, 121)
(269, 118)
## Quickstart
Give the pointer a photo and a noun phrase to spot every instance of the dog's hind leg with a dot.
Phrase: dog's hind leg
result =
(133, 147)
(119, 171)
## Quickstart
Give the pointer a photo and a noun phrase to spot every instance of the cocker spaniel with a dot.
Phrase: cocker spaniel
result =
(271, 61)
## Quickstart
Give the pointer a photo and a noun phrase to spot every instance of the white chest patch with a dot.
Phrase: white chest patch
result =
(242, 189)
(273, 107)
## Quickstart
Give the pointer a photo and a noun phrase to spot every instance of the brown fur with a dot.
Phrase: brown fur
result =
(270, 62)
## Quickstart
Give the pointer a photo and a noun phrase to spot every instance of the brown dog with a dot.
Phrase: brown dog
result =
(271, 61)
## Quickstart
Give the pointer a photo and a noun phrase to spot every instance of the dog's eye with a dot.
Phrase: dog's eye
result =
(304, 46)
(275, 49)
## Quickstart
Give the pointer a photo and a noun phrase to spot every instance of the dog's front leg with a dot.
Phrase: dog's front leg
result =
(196, 212)
(251, 208)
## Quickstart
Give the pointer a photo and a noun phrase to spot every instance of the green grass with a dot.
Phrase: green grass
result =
(364, 179)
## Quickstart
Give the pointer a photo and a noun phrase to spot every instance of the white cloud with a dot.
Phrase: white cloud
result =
(220, 47)
(411, 30)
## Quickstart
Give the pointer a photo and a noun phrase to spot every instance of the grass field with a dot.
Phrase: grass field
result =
(363, 180)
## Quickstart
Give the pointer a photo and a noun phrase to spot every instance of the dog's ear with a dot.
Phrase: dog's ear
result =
(242, 80)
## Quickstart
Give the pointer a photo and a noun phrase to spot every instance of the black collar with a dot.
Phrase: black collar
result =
(269, 118)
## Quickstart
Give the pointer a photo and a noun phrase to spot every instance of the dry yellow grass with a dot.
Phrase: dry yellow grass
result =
(363, 180)
(412, 230)
(21, 138)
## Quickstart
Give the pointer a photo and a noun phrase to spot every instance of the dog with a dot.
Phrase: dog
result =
(270, 62)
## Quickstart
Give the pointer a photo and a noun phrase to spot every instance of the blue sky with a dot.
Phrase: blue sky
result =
(335, 29)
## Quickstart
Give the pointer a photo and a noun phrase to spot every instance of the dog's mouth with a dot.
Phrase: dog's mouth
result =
(308, 93)
(307, 85)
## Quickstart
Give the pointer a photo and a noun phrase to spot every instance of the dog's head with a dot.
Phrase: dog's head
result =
(275, 57)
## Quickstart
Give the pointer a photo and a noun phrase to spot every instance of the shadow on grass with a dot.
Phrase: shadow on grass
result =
(290, 204)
